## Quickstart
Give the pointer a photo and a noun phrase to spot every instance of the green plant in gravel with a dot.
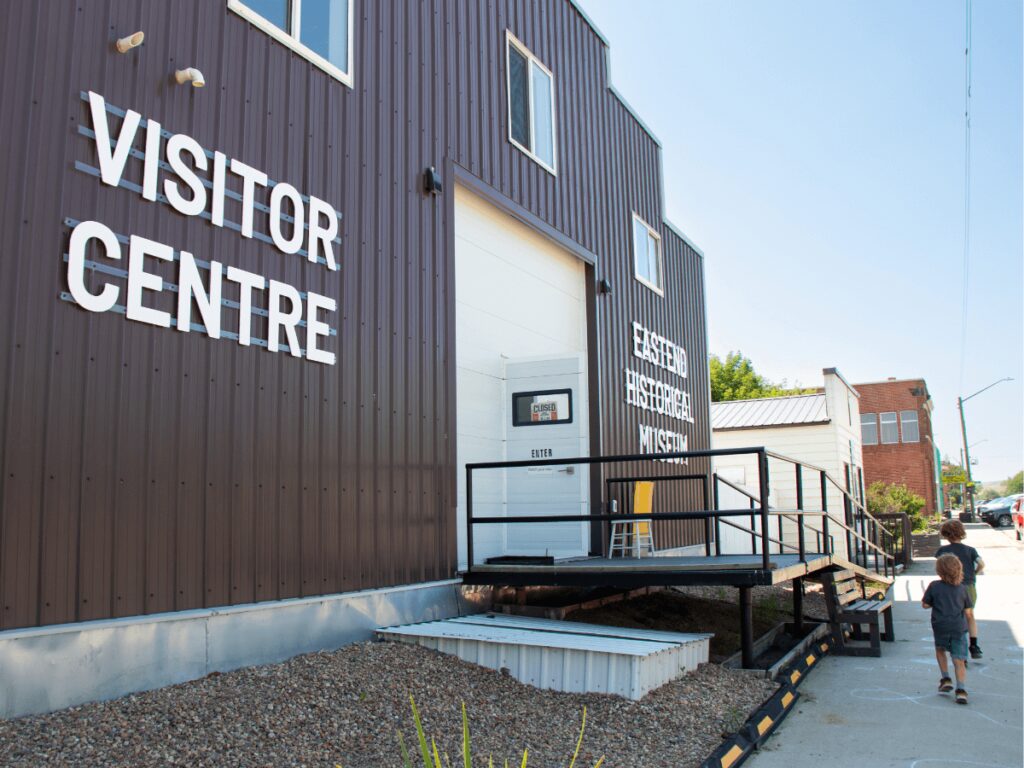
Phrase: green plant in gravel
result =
(432, 758)
(769, 608)
(733, 719)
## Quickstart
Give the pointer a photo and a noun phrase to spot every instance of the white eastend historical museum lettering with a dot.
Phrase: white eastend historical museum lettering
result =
(293, 221)
(654, 396)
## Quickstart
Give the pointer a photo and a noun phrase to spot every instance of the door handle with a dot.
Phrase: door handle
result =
(570, 470)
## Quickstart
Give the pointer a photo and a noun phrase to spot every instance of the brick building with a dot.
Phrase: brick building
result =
(896, 435)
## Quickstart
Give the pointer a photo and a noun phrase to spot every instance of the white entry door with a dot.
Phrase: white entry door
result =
(518, 298)
(546, 418)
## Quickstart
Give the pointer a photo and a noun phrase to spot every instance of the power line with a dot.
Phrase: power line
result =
(967, 195)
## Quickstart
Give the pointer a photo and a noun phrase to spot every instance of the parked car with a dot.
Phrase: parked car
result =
(998, 511)
(983, 505)
(1018, 517)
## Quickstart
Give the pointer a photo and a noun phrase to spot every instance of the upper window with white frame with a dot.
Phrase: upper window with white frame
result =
(890, 430)
(531, 104)
(647, 255)
(319, 30)
(869, 429)
(911, 431)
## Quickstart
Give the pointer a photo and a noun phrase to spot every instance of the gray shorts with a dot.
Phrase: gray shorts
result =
(954, 642)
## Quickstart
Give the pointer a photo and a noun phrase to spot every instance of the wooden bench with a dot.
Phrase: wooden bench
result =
(847, 605)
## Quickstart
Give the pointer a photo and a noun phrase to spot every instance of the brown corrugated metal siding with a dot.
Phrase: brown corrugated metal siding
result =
(146, 470)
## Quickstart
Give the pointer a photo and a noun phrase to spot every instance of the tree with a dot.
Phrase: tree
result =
(892, 499)
(987, 494)
(1015, 484)
(735, 379)
(954, 489)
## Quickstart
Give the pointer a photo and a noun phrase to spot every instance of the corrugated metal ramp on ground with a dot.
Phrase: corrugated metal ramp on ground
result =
(563, 655)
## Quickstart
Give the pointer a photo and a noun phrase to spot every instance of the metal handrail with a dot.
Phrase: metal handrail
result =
(845, 492)
(758, 505)
(608, 518)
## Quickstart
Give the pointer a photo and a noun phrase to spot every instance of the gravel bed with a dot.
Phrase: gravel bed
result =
(344, 707)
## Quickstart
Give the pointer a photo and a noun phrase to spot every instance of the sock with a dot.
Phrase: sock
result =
(974, 642)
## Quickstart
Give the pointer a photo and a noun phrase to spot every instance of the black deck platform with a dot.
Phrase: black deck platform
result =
(630, 572)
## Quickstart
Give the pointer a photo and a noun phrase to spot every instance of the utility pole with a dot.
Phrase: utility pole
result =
(967, 463)
(967, 450)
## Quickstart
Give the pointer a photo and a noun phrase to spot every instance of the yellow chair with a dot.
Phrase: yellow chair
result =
(640, 535)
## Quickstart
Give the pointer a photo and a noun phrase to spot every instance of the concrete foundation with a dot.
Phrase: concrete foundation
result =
(50, 668)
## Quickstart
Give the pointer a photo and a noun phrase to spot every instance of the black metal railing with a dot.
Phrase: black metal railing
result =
(868, 543)
(898, 524)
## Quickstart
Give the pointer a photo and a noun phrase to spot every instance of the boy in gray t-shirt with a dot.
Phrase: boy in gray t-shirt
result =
(951, 607)
(954, 531)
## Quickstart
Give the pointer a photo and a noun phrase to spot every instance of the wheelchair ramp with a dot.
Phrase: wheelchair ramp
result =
(563, 655)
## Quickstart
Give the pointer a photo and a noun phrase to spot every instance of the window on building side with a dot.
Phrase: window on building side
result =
(890, 430)
(647, 254)
(319, 30)
(531, 104)
(869, 429)
(911, 433)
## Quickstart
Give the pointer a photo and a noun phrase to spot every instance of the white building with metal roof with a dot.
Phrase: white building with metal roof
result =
(822, 429)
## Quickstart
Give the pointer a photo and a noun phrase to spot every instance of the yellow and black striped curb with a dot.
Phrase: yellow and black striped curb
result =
(763, 722)
(731, 752)
(735, 749)
(795, 673)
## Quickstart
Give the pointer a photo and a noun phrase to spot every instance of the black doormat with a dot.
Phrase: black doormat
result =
(521, 560)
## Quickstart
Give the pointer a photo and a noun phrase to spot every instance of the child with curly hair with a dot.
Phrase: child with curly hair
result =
(954, 532)
(951, 609)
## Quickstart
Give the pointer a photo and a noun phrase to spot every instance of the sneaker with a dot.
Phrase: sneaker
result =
(975, 652)
(945, 685)
(961, 696)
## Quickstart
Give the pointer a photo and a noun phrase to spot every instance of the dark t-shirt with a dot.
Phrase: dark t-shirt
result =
(967, 555)
(947, 602)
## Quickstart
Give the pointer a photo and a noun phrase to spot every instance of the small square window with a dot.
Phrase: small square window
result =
(647, 254)
(318, 30)
(890, 430)
(532, 409)
(531, 104)
(869, 429)
(911, 432)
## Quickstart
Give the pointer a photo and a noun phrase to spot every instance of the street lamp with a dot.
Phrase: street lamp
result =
(963, 431)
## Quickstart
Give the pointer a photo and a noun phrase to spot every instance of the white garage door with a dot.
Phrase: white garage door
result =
(519, 298)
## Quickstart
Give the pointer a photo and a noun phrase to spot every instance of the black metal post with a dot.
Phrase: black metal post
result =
(762, 477)
(469, 518)
(705, 491)
(848, 516)
(753, 530)
(824, 508)
(864, 534)
(798, 605)
(799, 517)
(747, 627)
(875, 540)
(851, 552)
(718, 527)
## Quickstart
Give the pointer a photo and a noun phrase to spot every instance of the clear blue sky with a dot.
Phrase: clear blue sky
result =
(815, 151)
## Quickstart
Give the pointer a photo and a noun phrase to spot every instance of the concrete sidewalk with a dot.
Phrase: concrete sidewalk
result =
(887, 712)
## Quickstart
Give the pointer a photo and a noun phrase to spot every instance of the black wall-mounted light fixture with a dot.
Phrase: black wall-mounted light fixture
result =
(604, 286)
(432, 181)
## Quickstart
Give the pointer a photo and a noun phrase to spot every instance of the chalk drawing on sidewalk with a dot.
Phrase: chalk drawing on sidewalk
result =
(889, 695)
(942, 761)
